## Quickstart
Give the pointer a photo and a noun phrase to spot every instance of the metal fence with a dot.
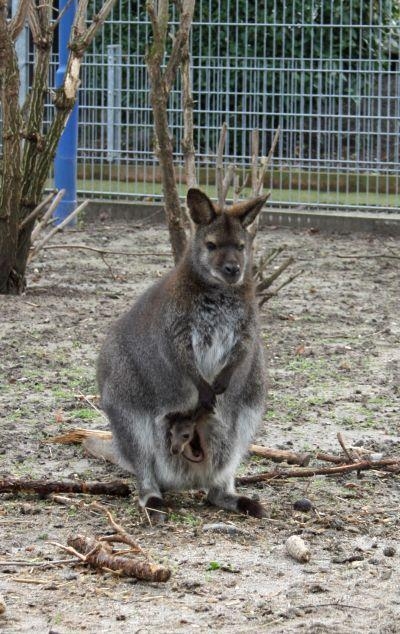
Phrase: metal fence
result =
(326, 73)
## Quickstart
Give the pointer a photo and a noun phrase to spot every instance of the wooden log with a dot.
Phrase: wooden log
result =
(100, 555)
(46, 487)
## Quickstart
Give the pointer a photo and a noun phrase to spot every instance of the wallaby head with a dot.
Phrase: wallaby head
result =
(221, 243)
(181, 434)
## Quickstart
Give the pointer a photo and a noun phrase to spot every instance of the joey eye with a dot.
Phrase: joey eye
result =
(240, 247)
(211, 246)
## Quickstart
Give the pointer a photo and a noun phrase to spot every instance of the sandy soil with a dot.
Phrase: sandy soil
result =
(334, 365)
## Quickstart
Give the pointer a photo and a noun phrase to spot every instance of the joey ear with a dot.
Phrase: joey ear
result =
(200, 207)
(248, 210)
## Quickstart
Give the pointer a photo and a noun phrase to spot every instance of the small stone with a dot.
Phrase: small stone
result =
(2, 605)
(389, 551)
(303, 505)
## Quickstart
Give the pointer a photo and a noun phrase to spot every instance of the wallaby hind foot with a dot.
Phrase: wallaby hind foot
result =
(238, 503)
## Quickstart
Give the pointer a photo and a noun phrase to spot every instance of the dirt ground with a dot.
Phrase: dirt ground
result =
(334, 365)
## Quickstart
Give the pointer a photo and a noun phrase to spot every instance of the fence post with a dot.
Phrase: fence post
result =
(114, 85)
(65, 164)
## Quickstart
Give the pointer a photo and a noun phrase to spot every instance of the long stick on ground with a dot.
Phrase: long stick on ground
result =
(362, 465)
(45, 487)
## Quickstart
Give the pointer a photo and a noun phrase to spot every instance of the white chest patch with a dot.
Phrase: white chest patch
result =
(212, 357)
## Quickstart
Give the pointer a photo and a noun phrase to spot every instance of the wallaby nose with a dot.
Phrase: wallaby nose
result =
(231, 269)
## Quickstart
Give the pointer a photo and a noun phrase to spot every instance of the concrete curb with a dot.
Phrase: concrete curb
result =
(351, 222)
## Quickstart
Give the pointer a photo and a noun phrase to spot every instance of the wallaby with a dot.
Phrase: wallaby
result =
(191, 343)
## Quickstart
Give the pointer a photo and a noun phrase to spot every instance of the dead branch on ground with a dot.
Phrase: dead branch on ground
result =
(281, 455)
(100, 555)
(362, 465)
(46, 487)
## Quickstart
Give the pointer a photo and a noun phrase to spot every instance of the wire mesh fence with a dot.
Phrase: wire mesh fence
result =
(326, 73)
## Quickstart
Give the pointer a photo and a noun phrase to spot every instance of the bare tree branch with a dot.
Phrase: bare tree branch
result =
(180, 41)
(255, 138)
(189, 153)
(19, 19)
(219, 170)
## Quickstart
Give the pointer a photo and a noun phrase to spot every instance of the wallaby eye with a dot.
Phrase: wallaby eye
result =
(186, 436)
(211, 246)
(240, 247)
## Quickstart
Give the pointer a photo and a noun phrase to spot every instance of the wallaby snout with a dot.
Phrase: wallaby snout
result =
(231, 271)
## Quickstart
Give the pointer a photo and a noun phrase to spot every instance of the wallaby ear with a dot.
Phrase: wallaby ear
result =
(200, 207)
(248, 210)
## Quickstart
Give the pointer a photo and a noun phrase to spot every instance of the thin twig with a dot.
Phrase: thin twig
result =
(60, 15)
(255, 136)
(219, 169)
(369, 256)
(265, 162)
(39, 564)
(349, 457)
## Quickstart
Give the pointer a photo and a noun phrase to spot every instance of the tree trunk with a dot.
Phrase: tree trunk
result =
(161, 82)
(11, 176)
(165, 155)
(28, 151)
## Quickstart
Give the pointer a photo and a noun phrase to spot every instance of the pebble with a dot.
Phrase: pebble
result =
(2, 605)
(303, 504)
(389, 551)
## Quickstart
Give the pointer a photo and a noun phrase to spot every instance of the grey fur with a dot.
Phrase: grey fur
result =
(191, 340)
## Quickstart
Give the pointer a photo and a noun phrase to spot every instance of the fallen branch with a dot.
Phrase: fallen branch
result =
(368, 256)
(280, 455)
(45, 487)
(99, 554)
(85, 247)
(362, 465)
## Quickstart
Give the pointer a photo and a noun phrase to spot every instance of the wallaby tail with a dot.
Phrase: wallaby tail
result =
(96, 442)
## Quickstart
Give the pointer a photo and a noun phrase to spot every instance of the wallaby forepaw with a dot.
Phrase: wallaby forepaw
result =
(250, 507)
(155, 510)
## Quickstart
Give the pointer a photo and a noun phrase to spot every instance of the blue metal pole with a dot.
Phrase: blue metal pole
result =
(66, 156)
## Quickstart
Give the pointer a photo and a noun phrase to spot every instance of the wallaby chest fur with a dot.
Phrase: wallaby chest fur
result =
(190, 340)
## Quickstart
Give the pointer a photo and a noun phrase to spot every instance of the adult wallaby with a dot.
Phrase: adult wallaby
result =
(189, 343)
